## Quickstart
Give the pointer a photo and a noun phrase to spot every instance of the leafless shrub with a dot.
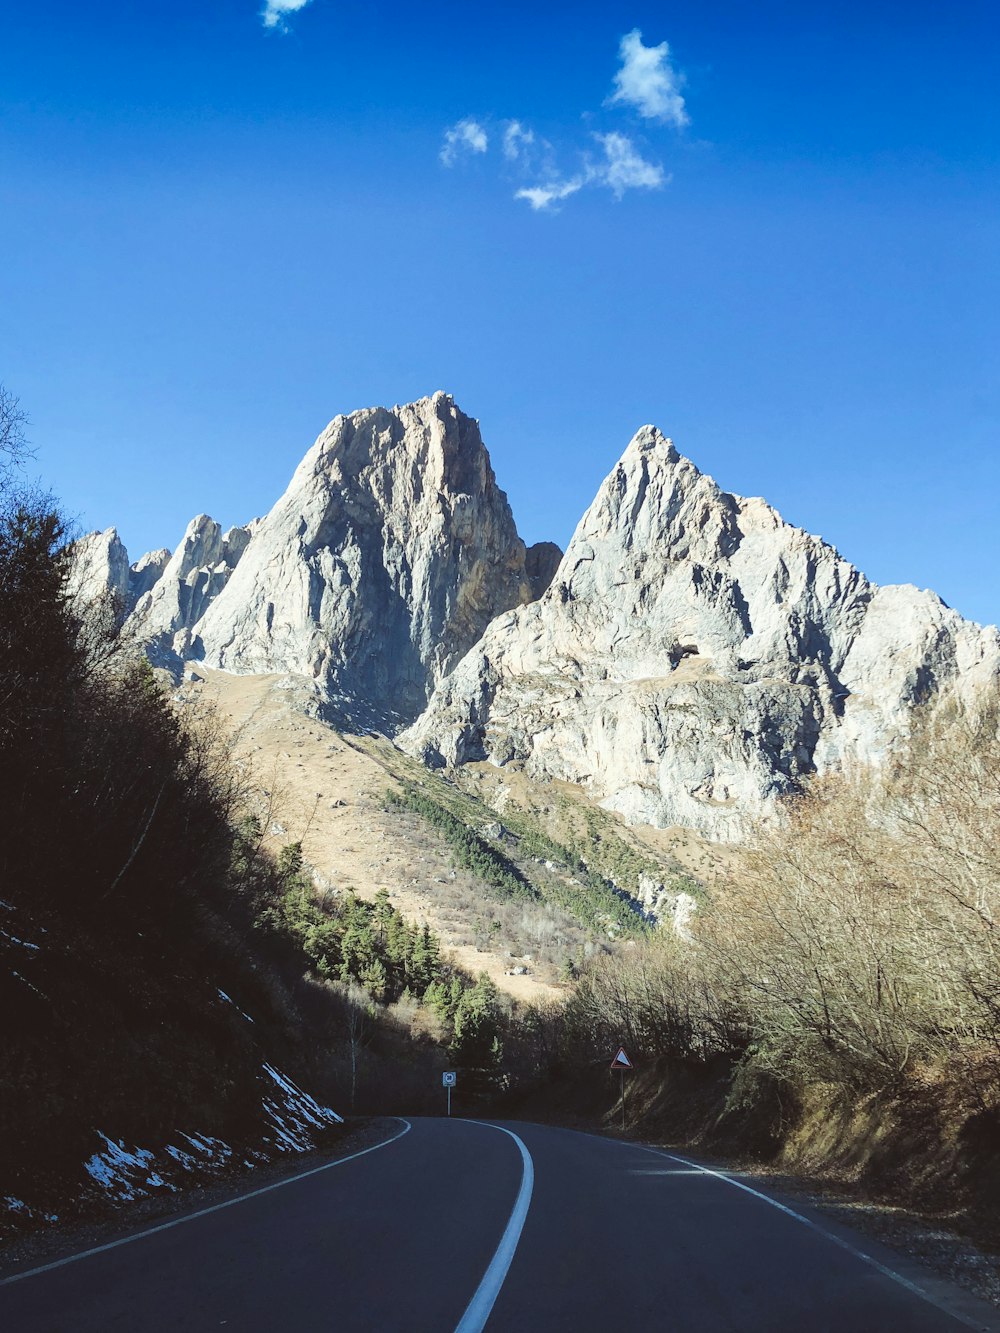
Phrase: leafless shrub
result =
(857, 941)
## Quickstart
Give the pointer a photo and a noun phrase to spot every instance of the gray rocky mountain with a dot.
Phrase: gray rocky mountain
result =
(695, 656)
(165, 614)
(542, 561)
(383, 563)
(100, 567)
(688, 660)
(145, 572)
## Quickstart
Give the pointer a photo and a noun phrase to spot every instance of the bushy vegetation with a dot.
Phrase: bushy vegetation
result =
(471, 851)
(380, 957)
(591, 900)
(855, 944)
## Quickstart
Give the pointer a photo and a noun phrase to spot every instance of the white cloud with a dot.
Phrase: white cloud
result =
(467, 136)
(275, 11)
(516, 138)
(544, 196)
(648, 82)
(624, 167)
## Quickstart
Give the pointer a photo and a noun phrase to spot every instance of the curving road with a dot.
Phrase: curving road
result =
(458, 1226)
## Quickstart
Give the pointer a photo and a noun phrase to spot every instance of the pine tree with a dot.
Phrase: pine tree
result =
(382, 914)
(373, 977)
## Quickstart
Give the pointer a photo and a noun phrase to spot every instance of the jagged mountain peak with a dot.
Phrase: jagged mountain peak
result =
(431, 443)
(689, 658)
(380, 566)
(382, 563)
(695, 656)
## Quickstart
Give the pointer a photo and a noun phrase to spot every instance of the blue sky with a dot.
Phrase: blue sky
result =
(778, 243)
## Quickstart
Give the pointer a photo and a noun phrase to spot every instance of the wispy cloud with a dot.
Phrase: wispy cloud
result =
(542, 197)
(648, 82)
(275, 12)
(516, 138)
(620, 167)
(467, 136)
(624, 167)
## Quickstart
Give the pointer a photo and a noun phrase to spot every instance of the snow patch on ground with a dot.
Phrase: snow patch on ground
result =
(229, 1000)
(294, 1114)
(28, 984)
(14, 940)
(121, 1174)
(213, 1150)
(183, 1159)
(124, 1174)
(20, 1209)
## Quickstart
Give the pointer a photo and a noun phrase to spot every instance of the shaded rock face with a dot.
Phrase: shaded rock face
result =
(145, 573)
(387, 557)
(695, 656)
(541, 562)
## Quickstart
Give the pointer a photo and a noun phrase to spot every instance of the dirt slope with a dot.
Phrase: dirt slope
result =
(327, 790)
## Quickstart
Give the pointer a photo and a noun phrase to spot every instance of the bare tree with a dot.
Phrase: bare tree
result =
(13, 419)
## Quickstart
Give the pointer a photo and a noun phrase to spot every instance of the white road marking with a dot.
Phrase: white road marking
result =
(813, 1226)
(203, 1212)
(479, 1308)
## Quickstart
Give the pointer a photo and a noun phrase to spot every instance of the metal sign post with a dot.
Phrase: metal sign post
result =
(621, 1062)
(448, 1080)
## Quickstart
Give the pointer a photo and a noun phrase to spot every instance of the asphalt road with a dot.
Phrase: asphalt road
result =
(456, 1226)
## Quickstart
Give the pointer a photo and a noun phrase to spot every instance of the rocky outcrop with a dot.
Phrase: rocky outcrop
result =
(99, 571)
(540, 565)
(145, 573)
(164, 617)
(695, 656)
(391, 551)
(379, 568)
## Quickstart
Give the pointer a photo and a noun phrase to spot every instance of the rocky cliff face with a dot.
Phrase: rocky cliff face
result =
(100, 568)
(689, 659)
(382, 564)
(176, 597)
(695, 656)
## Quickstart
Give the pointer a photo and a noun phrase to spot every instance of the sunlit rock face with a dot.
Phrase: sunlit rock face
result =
(691, 658)
(694, 657)
(382, 564)
(99, 570)
(165, 615)
(389, 554)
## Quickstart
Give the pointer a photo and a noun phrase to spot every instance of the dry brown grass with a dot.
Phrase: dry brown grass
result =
(327, 790)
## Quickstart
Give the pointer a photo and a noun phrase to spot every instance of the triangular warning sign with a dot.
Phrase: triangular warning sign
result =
(621, 1060)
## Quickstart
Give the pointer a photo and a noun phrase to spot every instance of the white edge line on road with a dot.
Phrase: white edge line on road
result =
(479, 1308)
(813, 1226)
(203, 1212)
